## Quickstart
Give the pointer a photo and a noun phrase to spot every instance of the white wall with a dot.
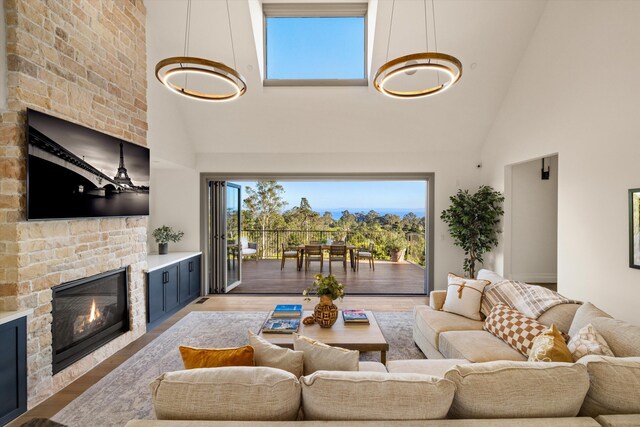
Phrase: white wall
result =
(174, 201)
(533, 232)
(175, 192)
(576, 93)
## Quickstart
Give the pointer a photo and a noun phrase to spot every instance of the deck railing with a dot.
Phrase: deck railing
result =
(270, 244)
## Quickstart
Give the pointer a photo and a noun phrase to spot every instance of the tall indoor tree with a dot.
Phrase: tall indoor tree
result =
(473, 223)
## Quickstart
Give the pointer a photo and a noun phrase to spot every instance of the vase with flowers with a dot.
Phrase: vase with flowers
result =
(328, 289)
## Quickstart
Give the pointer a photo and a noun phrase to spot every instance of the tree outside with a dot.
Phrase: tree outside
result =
(264, 216)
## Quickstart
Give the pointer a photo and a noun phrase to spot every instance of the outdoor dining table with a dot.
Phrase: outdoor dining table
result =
(325, 247)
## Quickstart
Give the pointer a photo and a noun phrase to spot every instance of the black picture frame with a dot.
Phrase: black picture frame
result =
(634, 228)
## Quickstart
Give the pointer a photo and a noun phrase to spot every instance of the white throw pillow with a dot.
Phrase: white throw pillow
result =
(274, 356)
(588, 341)
(322, 357)
(464, 296)
(489, 275)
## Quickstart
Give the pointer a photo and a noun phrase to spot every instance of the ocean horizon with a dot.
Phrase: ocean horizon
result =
(336, 213)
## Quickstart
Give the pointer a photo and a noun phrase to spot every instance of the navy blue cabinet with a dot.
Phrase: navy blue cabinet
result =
(189, 279)
(170, 288)
(13, 369)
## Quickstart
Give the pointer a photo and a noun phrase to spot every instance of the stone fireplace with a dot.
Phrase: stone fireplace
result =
(87, 314)
(85, 62)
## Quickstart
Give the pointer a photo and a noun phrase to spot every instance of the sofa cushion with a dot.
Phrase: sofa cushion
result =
(354, 396)
(585, 315)
(522, 422)
(229, 393)
(319, 356)
(626, 420)
(588, 341)
(365, 366)
(432, 323)
(560, 315)
(464, 296)
(506, 389)
(513, 327)
(615, 385)
(436, 368)
(476, 346)
(193, 357)
(623, 338)
(271, 355)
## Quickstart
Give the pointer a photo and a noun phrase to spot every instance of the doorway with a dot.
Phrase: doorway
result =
(323, 210)
(531, 221)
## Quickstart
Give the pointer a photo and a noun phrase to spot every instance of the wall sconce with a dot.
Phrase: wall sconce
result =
(545, 173)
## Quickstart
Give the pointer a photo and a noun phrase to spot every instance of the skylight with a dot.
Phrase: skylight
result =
(315, 46)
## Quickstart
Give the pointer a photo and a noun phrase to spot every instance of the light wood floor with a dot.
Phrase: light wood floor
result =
(265, 276)
(215, 303)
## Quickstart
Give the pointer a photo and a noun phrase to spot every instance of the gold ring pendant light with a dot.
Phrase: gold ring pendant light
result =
(168, 69)
(409, 64)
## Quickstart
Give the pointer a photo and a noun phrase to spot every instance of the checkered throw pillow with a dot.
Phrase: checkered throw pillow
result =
(513, 327)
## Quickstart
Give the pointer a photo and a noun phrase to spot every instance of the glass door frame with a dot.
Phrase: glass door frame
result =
(215, 245)
(428, 177)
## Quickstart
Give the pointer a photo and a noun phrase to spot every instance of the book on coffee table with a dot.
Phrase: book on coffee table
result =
(355, 316)
(287, 310)
(280, 326)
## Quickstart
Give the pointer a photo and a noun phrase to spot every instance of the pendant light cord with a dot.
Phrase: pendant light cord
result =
(435, 37)
(393, 7)
(187, 29)
(435, 34)
(187, 33)
(426, 28)
(233, 51)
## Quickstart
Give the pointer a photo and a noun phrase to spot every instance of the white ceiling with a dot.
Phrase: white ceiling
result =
(492, 34)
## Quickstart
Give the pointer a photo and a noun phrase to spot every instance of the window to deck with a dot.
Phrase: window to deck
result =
(315, 45)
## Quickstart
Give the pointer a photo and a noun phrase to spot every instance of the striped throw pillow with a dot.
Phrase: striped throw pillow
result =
(513, 327)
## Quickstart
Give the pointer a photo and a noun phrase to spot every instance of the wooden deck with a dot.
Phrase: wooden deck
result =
(265, 276)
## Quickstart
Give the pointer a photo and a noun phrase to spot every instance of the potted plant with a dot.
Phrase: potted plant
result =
(163, 236)
(473, 223)
(329, 290)
(397, 247)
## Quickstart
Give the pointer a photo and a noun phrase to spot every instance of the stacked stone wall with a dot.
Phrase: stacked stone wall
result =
(83, 61)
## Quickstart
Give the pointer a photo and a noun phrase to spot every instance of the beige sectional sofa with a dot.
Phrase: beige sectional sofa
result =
(442, 335)
(471, 378)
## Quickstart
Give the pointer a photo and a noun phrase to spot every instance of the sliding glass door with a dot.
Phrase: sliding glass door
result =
(225, 248)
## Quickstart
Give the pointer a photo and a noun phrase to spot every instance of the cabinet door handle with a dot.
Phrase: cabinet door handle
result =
(190, 266)
(165, 277)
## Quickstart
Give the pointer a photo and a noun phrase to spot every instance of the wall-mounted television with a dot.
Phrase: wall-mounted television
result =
(76, 172)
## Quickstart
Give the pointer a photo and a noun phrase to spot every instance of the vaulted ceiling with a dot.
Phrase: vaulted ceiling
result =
(488, 36)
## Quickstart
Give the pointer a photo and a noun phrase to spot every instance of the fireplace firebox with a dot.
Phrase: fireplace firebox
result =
(88, 313)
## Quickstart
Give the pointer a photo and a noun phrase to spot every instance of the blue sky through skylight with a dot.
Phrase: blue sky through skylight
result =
(315, 48)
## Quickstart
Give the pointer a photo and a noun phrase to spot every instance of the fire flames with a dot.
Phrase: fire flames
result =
(87, 322)
(94, 314)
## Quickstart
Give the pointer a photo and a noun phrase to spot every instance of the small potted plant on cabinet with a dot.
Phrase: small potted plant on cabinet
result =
(164, 235)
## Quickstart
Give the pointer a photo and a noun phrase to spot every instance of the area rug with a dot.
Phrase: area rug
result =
(124, 394)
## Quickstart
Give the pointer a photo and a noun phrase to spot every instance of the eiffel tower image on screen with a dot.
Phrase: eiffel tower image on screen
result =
(122, 177)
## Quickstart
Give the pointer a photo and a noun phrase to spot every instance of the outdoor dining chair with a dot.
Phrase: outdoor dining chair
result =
(338, 253)
(313, 253)
(365, 253)
(289, 252)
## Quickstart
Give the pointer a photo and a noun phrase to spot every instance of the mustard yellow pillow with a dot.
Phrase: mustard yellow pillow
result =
(550, 346)
(216, 357)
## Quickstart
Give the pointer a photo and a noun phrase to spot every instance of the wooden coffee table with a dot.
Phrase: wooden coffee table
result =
(350, 336)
